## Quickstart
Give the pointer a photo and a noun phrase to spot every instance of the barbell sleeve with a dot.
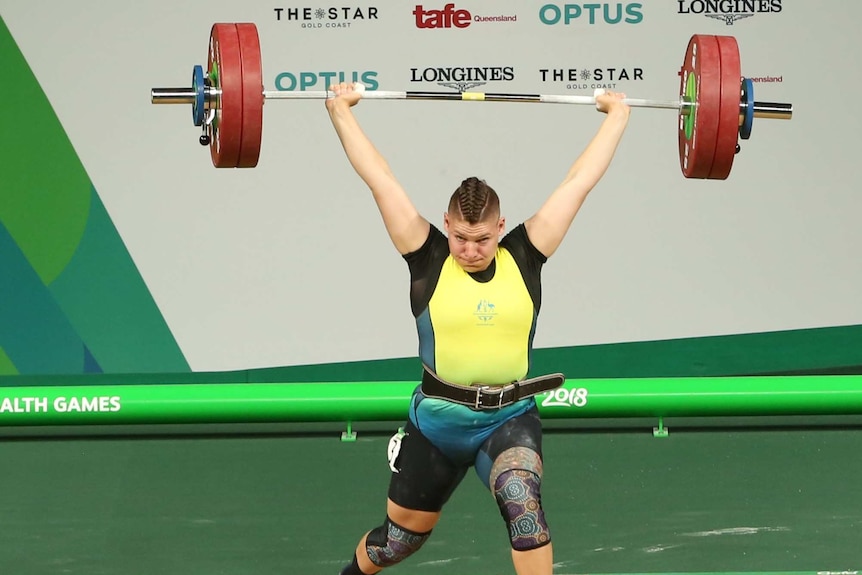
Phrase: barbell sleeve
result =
(773, 110)
(172, 96)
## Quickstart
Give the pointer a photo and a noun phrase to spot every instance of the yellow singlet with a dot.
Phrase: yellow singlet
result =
(482, 331)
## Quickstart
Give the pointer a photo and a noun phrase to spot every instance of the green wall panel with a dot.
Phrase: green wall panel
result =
(74, 299)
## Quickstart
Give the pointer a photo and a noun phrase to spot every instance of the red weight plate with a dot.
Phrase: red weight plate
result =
(252, 95)
(225, 61)
(703, 62)
(728, 119)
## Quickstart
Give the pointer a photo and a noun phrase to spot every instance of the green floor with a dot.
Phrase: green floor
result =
(618, 502)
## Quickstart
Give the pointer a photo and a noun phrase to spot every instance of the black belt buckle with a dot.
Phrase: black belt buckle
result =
(484, 391)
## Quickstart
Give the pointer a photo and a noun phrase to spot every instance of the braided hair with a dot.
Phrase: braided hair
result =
(474, 201)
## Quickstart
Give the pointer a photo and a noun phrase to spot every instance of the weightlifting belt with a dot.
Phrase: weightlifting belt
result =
(488, 396)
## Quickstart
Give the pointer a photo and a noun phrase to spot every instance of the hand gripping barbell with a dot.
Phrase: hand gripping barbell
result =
(716, 104)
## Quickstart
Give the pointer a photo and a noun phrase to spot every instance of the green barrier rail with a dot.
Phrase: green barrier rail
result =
(388, 401)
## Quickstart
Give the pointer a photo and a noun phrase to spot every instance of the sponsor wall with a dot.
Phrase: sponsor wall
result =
(288, 263)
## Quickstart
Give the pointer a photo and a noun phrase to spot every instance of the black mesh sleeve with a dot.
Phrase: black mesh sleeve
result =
(529, 259)
(425, 265)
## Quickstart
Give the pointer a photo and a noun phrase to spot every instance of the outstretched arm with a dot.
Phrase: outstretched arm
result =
(407, 228)
(547, 228)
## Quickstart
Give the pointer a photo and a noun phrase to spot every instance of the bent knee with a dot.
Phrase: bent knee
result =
(391, 543)
(518, 495)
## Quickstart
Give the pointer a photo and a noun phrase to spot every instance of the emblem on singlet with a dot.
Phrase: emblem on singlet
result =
(485, 312)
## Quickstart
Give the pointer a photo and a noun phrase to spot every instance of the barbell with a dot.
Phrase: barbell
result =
(716, 105)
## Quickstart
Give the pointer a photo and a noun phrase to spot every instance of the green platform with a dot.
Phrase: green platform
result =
(738, 500)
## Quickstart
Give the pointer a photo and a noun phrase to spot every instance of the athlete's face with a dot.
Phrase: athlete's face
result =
(473, 245)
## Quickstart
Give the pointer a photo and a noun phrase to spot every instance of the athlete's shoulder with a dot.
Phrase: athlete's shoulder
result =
(432, 244)
(518, 243)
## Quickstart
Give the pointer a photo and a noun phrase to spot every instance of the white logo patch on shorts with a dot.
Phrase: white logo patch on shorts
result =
(395, 448)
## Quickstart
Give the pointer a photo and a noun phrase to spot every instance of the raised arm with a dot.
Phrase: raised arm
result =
(407, 228)
(547, 228)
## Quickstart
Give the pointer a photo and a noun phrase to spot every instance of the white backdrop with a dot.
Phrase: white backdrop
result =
(289, 264)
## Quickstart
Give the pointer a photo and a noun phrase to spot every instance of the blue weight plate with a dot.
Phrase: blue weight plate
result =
(198, 111)
(748, 113)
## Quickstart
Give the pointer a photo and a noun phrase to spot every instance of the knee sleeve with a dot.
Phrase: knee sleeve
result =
(518, 496)
(390, 543)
